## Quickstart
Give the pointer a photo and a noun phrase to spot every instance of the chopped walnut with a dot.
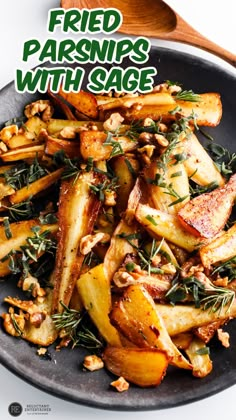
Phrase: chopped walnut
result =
(68, 132)
(223, 336)
(168, 268)
(13, 323)
(147, 122)
(120, 384)
(41, 106)
(110, 198)
(221, 282)
(148, 149)
(37, 318)
(122, 278)
(113, 122)
(161, 140)
(8, 132)
(3, 147)
(31, 284)
(145, 137)
(88, 242)
(174, 89)
(162, 127)
(93, 362)
(42, 351)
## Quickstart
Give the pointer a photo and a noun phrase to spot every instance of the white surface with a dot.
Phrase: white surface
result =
(24, 19)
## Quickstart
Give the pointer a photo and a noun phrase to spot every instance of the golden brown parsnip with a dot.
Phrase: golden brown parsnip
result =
(143, 367)
(135, 315)
(207, 214)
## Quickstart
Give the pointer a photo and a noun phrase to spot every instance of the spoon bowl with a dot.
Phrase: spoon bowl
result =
(154, 18)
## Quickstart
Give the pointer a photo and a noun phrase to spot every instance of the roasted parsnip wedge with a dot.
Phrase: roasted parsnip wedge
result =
(208, 111)
(95, 292)
(20, 231)
(158, 98)
(173, 191)
(220, 249)
(35, 187)
(199, 164)
(143, 367)
(207, 214)
(182, 318)
(78, 209)
(135, 315)
(55, 125)
(84, 102)
(94, 143)
(126, 170)
(165, 225)
(25, 152)
(33, 323)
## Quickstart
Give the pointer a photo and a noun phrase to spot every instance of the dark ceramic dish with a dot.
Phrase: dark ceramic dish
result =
(63, 375)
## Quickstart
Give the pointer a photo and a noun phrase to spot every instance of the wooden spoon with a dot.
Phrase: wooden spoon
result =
(154, 18)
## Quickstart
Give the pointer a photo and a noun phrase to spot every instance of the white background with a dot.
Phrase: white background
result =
(24, 19)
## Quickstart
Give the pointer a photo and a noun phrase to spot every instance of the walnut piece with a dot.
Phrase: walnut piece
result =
(41, 106)
(120, 384)
(8, 132)
(89, 241)
(223, 336)
(93, 363)
(113, 122)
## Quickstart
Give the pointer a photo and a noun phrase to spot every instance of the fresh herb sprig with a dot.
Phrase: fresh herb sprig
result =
(19, 261)
(77, 326)
(24, 174)
(211, 298)
(223, 158)
(116, 146)
(226, 269)
(188, 95)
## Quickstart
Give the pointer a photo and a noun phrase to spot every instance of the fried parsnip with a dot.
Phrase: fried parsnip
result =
(95, 292)
(135, 315)
(78, 209)
(143, 367)
(165, 225)
(207, 214)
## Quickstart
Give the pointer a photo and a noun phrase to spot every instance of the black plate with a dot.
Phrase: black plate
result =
(63, 375)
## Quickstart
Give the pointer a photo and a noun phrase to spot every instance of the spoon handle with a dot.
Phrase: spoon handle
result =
(140, 21)
(186, 34)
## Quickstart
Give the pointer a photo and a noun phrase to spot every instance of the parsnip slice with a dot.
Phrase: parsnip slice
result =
(182, 318)
(135, 315)
(20, 232)
(207, 214)
(35, 187)
(165, 225)
(95, 291)
(199, 164)
(78, 209)
(220, 249)
(143, 367)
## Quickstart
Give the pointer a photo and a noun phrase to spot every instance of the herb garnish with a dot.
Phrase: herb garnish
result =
(116, 146)
(7, 228)
(24, 174)
(187, 95)
(77, 326)
(223, 158)
(226, 269)
(210, 298)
